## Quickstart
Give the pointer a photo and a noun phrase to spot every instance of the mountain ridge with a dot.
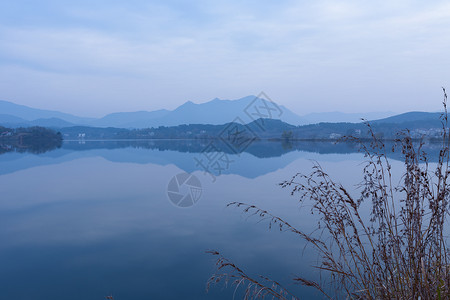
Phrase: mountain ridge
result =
(215, 112)
(30, 114)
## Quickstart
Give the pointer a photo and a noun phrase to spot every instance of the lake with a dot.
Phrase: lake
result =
(95, 218)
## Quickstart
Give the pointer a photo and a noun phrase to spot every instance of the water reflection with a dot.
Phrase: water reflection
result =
(260, 149)
(186, 154)
(31, 147)
(87, 220)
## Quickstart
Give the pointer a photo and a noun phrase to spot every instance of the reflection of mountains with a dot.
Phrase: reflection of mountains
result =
(259, 149)
(260, 158)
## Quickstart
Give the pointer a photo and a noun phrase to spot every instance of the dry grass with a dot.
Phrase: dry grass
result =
(400, 252)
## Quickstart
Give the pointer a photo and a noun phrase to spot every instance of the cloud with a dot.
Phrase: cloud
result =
(230, 49)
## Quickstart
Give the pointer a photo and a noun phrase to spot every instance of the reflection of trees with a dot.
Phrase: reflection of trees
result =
(286, 144)
(35, 147)
(259, 148)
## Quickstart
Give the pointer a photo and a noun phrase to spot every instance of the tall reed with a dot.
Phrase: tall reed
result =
(399, 252)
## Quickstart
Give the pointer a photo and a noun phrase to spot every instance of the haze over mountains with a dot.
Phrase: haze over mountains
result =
(214, 112)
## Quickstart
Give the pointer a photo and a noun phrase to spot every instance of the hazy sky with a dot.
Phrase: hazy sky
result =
(96, 57)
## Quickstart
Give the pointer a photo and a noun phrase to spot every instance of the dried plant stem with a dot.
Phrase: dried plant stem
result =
(399, 252)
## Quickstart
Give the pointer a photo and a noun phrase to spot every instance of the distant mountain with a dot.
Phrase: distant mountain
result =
(258, 129)
(219, 111)
(10, 119)
(237, 135)
(50, 122)
(214, 112)
(30, 114)
(337, 117)
(15, 122)
(413, 116)
(139, 119)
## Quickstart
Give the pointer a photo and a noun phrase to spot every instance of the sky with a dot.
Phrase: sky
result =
(95, 57)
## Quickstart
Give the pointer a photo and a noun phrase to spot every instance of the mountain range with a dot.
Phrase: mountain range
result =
(214, 112)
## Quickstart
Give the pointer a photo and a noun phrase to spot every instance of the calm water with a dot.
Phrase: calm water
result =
(94, 219)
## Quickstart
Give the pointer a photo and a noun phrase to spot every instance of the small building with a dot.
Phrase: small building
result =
(335, 136)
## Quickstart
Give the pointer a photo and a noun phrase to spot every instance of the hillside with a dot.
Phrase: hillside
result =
(31, 139)
(259, 129)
